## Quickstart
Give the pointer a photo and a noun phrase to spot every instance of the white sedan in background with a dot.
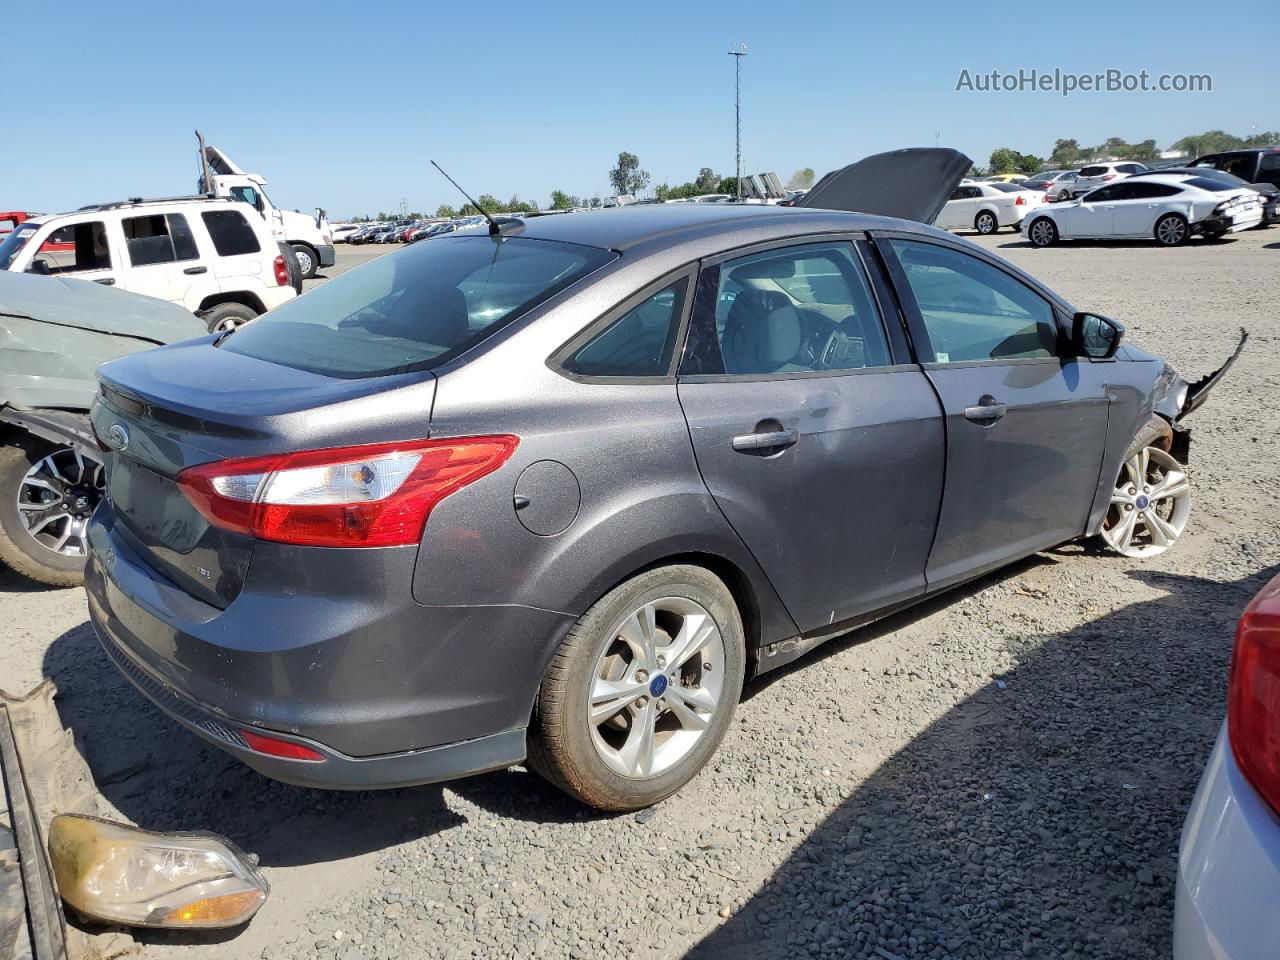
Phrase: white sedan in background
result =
(1167, 208)
(1227, 904)
(986, 207)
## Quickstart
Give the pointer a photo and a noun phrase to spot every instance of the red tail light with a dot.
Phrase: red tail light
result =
(1253, 694)
(1019, 201)
(282, 272)
(374, 495)
(1108, 176)
(279, 748)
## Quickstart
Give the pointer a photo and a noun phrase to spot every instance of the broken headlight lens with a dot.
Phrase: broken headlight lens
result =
(121, 874)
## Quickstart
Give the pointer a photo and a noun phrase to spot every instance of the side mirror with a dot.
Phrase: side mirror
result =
(1095, 336)
(39, 266)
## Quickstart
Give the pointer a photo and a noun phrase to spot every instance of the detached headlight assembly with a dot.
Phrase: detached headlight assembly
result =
(120, 874)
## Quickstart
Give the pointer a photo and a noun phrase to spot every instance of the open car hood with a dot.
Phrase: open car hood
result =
(83, 305)
(911, 184)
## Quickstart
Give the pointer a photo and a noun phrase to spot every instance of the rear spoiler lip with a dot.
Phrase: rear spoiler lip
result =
(1198, 392)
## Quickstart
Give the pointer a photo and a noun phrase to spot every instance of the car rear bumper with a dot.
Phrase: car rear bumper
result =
(328, 257)
(343, 661)
(1228, 868)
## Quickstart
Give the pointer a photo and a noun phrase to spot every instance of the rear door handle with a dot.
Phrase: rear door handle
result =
(107, 281)
(196, 270)
(749, 442)
(986, 410)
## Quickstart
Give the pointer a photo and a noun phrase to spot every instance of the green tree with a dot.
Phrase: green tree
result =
(1211, 141)
(727, 185)
(1029, 164)
(802, 179)
(1004, 160)
(561, 200)
(1065, 152)
(707, 181)
(444, 210)
(627, 177)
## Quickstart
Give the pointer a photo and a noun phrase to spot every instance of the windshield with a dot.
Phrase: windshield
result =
(13, 243)
(1009, 187)
(415, 309)
(1093, 171)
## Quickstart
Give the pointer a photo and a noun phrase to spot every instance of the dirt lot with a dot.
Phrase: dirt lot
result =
(1002, 772)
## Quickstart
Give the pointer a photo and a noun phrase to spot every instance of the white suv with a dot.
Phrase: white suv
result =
(203, 253)
(1096, 174)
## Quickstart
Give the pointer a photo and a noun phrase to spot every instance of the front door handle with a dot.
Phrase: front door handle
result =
(196, 270)
(986, 410)
(107, 281)
(774, 439)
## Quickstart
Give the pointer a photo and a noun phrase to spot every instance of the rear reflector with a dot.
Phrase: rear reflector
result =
(374, 495)
(1253, 694)
(285, 749)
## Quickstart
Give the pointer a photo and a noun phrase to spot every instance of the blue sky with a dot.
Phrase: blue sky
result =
(345, 106)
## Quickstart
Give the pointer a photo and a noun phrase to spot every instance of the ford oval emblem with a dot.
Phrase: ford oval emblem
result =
(118, 437)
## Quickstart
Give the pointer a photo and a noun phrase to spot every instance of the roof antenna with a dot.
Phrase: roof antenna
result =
(495, 229)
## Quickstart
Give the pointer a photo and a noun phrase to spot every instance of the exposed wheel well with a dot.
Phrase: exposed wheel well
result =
(236, 296)
(739, 585)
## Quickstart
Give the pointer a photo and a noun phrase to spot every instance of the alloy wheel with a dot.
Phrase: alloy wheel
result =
(56, 498)
(1171, 231)
(1149, 506)
(986, 223)
(655, 687)
(1042, 233)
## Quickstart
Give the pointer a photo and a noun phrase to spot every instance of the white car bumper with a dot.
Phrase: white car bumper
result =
(1228, 898)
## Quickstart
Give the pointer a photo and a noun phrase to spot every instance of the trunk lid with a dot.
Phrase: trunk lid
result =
(165, 410)
(911, 184)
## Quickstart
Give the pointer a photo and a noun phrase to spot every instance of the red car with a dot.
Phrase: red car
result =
(9, 220)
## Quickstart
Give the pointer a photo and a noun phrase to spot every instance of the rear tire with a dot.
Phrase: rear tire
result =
(19, 548)
(670, 716)
(986, 223)
(1043, 232)
(1172, 230)
(227, 316)
(308, 260)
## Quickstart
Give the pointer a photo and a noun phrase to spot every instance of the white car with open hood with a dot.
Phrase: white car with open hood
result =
(1169, 209)
(986, 207)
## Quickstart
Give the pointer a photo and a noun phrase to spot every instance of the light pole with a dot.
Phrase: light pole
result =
(737, 51)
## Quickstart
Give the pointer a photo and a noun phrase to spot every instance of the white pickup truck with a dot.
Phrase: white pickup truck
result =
(309, 237)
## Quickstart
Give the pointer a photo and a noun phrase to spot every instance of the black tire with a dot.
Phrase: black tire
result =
(18, 548)
(227, 316)
(560, 746)
(1172, 230)
(986, 223)
(308, 260)
(1042, 232)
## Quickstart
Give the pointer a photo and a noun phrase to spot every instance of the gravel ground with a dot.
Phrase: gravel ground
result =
(1001, 772)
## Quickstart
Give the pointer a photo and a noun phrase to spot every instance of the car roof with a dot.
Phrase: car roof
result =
(132, 203)
(626, 228)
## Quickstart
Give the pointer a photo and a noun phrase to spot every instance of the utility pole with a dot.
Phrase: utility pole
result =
(936, 137)
(737, 51)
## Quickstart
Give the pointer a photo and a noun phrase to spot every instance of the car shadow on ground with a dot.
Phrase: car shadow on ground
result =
(13, 582)
(162, 777)
(1039, 817)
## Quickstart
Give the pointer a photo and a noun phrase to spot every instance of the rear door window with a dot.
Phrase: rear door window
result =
(231, 234)
(417, 309)
(640, 343)
(973, 311)
(158, 238)
(1092, 171)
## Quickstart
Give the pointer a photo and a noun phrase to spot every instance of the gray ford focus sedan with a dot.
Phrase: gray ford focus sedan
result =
(552, 493)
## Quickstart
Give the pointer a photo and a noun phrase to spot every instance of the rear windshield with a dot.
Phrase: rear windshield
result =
(415, 309)
(1093, 171)
(1009, 187)
(1204, 183)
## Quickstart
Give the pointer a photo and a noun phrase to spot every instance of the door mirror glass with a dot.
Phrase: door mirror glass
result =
(39, 266)
(1095, 337)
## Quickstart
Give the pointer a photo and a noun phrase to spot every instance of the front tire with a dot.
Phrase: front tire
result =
(642, 691)
(308, 261)
(1151, 502)
(1172, 230)
(47, 494)
(986, 223)
(1043, 232)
